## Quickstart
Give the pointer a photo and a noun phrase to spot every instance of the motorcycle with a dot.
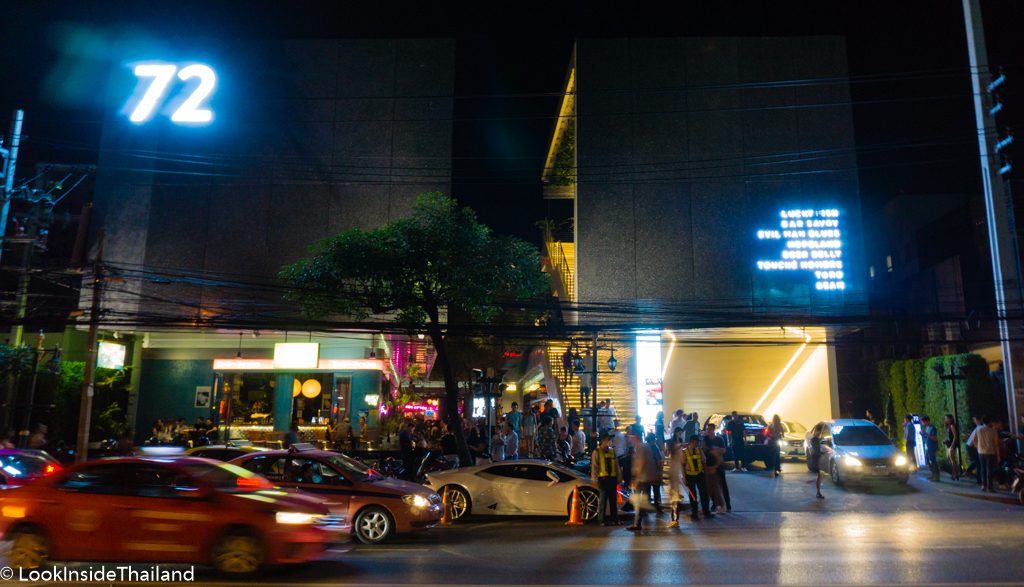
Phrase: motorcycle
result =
(1017, 474)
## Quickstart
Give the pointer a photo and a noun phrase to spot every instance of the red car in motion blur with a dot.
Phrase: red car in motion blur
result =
(180, 510)
(19, 466)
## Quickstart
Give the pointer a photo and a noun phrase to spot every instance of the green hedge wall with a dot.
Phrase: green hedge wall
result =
(912, 386)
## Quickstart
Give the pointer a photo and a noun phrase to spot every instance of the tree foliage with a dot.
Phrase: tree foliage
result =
(416, 271)
(440, 258)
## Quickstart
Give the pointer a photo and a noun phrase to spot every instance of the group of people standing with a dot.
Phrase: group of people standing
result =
(695, 464)
(988, 446)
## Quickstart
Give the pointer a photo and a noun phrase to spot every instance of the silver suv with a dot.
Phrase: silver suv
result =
(857, 449)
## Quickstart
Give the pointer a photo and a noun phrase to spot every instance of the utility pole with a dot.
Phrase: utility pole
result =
(85, 408)
(12, 160)
(999, 213)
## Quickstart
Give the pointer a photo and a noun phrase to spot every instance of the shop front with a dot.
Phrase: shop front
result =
(258, 399)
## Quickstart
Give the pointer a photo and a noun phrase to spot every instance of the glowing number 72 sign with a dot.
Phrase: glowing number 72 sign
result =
(161, 75)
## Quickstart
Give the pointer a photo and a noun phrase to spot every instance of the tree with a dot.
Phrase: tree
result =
(416, 271)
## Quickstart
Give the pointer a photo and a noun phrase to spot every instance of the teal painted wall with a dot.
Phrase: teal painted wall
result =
(168, 390)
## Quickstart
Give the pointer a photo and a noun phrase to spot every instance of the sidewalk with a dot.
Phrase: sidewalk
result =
(965, 487)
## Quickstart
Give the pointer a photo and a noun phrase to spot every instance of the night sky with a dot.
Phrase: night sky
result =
(512, 57)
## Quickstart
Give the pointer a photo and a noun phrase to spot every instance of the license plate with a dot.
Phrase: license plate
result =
(751, 439)
(881, 471)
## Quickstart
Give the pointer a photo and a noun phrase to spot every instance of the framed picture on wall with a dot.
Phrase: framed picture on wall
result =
(203, 396)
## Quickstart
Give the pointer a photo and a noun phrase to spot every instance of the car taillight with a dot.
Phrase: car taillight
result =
(252, 483)
(50, 469)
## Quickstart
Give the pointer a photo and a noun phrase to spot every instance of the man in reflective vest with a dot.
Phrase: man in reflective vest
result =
(694, 467)
(604, 470)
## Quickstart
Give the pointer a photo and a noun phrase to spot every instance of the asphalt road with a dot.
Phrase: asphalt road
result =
(777, 534)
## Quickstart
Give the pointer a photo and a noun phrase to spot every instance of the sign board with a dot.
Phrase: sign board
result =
(296, 355)
(812, 243)
(110, 355)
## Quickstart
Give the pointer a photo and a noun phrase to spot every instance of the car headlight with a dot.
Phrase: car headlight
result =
(852, 461)
(901, 461)
(416, 501)
(784, 443)
(295, 518)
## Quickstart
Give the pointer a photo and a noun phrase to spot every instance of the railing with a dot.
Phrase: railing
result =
(560, 264)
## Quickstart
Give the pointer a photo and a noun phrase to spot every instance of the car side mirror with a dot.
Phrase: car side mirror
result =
(553, 478)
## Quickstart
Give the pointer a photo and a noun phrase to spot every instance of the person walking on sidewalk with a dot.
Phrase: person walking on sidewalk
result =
(694, 468)
(930, 441)
(953, 446)
(604, 470)
(645, 474)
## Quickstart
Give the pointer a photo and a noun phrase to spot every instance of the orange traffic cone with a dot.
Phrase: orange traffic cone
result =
(446, 517)
(576, 511)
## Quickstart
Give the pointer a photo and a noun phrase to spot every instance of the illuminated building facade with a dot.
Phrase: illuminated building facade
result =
(714, 196)
(223, 161)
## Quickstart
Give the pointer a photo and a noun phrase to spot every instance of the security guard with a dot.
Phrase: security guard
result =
(605, 471)
(694, 468)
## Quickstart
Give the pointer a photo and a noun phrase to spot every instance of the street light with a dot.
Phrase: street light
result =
(612, 361)
(952, 377)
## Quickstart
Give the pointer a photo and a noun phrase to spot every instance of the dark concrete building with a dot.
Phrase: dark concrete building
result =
(307, 138)
(712, 174)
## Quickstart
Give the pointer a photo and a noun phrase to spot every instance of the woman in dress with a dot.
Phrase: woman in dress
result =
(775, 436)
(676, 444)
(814, 457)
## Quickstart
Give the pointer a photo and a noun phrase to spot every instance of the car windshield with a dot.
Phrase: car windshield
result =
(23, 465)
(225, 476)
(795, 428)
(859, 436)
(354, 468)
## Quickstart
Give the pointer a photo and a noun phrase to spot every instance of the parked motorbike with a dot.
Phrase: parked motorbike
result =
(1017, 474)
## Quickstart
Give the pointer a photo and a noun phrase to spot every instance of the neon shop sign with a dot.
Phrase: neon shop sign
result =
(168, 88)
(812, 242)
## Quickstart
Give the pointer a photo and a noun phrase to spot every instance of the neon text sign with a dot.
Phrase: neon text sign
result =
(813, 243)
(156, 78)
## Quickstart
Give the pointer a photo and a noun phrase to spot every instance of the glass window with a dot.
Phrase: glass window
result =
(313, 471)
(795, 428)
(22, 465)
(270, 467)
(154, 481)
(527, 472)
(101, 479)
(224, 476)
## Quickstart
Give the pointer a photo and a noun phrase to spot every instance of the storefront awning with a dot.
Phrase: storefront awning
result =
(235, 364)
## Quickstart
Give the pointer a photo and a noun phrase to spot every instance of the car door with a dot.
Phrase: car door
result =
(526, 488)
(82, 509)
(166, 515)
(314, 475)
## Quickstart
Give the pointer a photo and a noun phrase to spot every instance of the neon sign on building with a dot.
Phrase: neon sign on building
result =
(812, 243)
(155, 80)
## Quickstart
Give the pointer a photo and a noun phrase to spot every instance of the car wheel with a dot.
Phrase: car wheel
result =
(589, 503)
(835, 474)
(29, 549)
(373, 525)
(903, 480)
(459, 504)
(238, 553)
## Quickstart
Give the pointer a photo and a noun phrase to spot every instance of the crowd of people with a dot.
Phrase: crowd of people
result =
(991, 449)
(179, 433)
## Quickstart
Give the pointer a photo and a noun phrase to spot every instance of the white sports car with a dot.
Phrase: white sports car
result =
(513, 488)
